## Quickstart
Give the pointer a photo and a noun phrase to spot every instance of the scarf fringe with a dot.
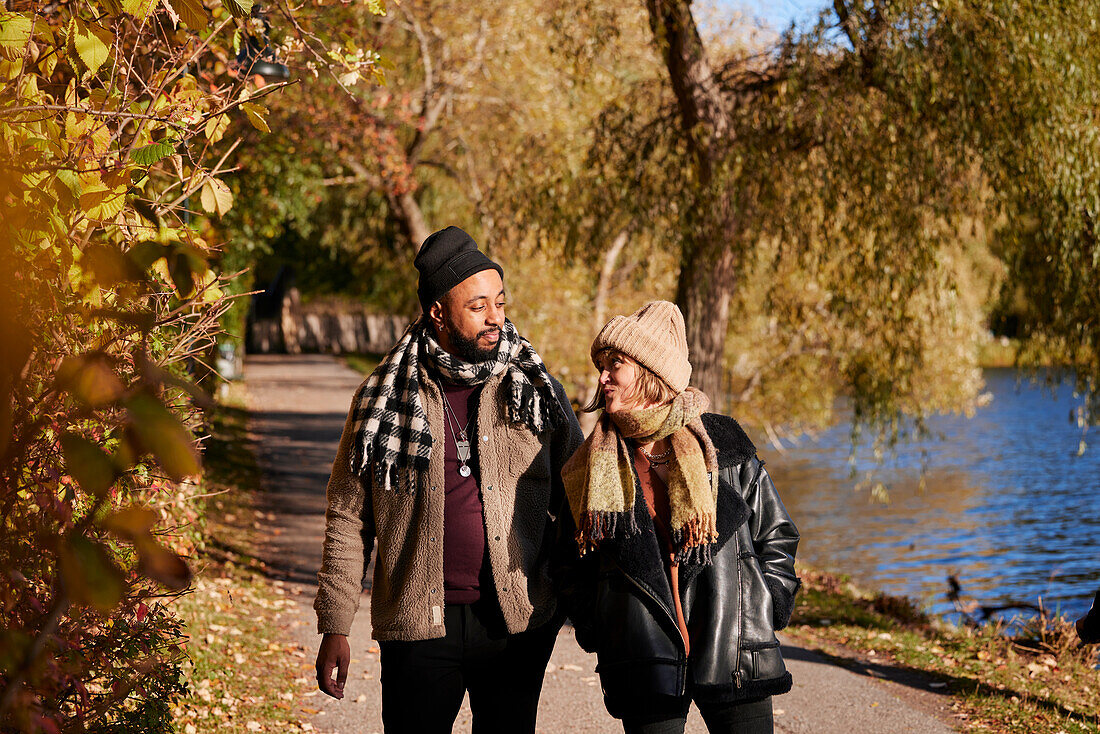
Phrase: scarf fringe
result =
(697, 555)
(539, 414)
(694, 543)
(597, 527)
(393, 477)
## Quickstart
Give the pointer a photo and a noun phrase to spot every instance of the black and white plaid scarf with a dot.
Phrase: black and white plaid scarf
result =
(392, 435)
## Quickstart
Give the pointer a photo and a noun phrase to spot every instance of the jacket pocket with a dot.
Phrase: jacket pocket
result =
(757, 605)
(528, 456)
(767, 663)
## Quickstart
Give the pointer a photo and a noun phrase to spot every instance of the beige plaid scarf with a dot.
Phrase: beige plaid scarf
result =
(600, 479)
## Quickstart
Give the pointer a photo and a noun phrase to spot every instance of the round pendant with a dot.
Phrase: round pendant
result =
(464, 470)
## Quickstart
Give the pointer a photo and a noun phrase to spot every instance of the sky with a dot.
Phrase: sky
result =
(778, 13)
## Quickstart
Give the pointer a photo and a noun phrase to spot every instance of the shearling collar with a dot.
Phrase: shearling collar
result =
(733, 444)
(639, 555)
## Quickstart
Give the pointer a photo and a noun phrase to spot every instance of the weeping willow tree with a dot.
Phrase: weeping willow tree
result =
(846, 203)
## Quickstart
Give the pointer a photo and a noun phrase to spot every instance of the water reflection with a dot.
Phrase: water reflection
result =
(1008, 508)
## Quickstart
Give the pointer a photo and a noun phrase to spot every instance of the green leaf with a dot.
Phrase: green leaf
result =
(255, 115)
(90, 379)
(90, 573)
(162, 435)
(216, 196)
(88, 464)
(91, 43)
(15, 32)
(238, 8)
(378, 7)
(192, 13)
(139, 8)
(147, 155)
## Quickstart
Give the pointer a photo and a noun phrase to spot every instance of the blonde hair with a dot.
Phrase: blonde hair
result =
(647, 387)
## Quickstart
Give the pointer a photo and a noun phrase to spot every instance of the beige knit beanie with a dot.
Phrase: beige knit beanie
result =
(654, 337)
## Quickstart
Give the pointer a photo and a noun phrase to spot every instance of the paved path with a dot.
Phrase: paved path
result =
(298, 406)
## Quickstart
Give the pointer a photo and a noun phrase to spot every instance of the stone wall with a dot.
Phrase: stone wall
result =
(326, 327)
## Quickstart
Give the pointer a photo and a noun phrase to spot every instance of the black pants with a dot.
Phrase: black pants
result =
(746, 717)
(423, 682)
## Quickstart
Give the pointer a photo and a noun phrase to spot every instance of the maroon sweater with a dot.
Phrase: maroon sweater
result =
(463, 520)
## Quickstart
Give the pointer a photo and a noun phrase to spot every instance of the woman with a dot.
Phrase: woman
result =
(683, 566)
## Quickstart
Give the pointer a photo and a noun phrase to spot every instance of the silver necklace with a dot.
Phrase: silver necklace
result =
(462, 443)
(659, 459)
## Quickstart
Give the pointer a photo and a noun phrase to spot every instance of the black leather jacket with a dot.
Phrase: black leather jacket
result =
(620, 600)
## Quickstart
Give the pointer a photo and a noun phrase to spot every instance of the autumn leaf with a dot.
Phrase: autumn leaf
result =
(114, 7)
(131, 523)
(102, 200)
(182, 273)
(238, 8)
(255, 114)
(90, 573)
(216, 196)
(144, 254)
(139, 8)
(161, 564)
(90, 43)
(15, 32)
(216, 127)
(90, 379)
(191, 12)
(110, 266)
(162, 435)
(87, 464)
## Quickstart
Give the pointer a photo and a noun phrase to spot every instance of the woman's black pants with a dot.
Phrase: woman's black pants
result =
(423, 682)
(745, 717)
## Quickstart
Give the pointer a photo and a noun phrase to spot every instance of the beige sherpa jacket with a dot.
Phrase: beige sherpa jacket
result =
(517, 469)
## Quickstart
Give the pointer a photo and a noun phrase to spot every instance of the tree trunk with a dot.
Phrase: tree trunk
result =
(599, 318)
(703, 293)
(708, 269)
(409, 218)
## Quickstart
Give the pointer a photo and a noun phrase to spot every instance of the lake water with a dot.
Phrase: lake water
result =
(1008, 508)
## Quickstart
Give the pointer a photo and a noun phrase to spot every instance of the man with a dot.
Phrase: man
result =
(451, 458)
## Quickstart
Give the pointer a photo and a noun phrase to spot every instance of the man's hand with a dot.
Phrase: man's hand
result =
(334, 653)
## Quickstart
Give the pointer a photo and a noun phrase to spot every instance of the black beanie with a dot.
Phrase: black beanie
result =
(447, 258)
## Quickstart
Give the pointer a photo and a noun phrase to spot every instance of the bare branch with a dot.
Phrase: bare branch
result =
(360, 174)
(845, 17)
(425, 58)
(432, 112)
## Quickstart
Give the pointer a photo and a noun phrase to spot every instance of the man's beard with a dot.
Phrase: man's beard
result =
(468, 349)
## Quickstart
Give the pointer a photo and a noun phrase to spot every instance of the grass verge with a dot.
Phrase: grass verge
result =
(1036, 681)
(242, 677)
(362, 363)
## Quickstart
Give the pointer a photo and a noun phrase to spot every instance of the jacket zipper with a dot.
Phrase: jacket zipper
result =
(738, 674)
(740, 618)
(671, 617)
